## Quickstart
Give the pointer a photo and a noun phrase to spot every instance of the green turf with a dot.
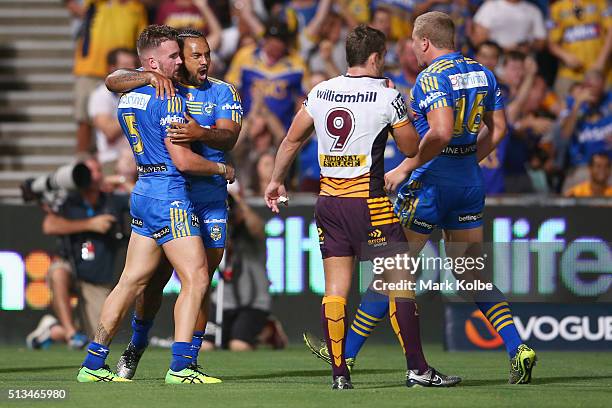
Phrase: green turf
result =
(293, 378)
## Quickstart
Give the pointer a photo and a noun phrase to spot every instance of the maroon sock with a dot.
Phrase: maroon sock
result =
(333, 319)
(405, 322)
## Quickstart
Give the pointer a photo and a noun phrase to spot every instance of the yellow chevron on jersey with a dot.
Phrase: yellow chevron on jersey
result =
(358, 187)
(381, 211)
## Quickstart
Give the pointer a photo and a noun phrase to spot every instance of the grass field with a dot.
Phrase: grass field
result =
(293, 378)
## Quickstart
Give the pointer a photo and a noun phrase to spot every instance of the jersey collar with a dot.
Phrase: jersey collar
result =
(451, 55)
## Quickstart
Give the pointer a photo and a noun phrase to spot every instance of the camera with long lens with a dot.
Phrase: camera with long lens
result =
(68, 177)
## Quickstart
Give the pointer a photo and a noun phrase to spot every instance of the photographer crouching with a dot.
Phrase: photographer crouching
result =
(89, 225)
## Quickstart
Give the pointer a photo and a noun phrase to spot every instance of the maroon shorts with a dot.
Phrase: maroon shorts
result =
(362, 227)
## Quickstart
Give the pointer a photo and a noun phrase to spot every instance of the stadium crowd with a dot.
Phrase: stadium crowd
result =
(553, 59)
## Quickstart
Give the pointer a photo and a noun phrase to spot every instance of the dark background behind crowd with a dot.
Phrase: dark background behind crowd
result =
(553, 59)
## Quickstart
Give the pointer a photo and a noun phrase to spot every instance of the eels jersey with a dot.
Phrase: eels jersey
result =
(470, 89)
(352, 118)
(144, 120)
(213, 100)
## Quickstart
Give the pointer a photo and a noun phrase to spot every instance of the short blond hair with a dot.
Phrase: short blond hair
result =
(437, 27)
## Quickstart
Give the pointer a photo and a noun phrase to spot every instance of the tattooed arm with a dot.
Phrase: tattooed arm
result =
(124, 80)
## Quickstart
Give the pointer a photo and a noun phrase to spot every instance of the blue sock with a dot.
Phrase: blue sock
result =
(373, 308)
(497, 310)
(140, 332)
(96, 356)
(196, 343)
(181, 356)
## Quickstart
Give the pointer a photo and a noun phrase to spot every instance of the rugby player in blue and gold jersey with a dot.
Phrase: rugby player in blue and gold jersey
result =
(162, 215)
(214, 121)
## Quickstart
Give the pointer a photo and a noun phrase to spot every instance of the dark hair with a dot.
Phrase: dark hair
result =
(599, 154)
(189, 33)
(154, 35)
(491, 44)
(278, 29)
(362, 42)
(113, 55)
(437, 27)
(514, 56)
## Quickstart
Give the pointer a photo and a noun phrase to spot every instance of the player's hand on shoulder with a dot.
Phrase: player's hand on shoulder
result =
(273, 193)
(394, 178)
(164, 87)
(187, 132)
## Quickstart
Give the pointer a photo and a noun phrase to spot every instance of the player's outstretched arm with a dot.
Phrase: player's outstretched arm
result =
(223, 137)
(124, 80)
(492, 135)
(301, 127)
(189, 162)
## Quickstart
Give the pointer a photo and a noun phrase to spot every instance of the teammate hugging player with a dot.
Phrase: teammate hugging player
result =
(217, 115)
(451, 99)
(352, 115)
(162, 215)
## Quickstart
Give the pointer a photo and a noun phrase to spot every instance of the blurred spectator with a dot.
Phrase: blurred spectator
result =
(261, 132)
(246, 297)
(355, 11)
(488, 54)
(587, 124)
(263, 173)
(90, 229)
(401, 16)
(405, 75)
(299, 13)
(274, 69)
(381, 20)
(597, 185)
(461, 12)
(510, 23)
(322, 41)
(519, 74)
(77, 12)
(103, 113)
(195, 14)
(581, 37)
(106, 25)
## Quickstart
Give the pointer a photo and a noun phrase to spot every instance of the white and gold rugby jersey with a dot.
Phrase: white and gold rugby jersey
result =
(352, 117)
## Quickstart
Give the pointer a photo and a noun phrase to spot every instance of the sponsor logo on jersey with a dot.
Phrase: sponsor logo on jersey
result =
(170, 119)
(422, 224)
(470, 217)
(195, 221)
(215, 232)
(176, 203)
(134, 100)
(215, 221)
(399, 104)
(595, 134)
(468, 80)
(161, 233)
(376, 238)
(151, 168)
(348, 97)
(459, 150)
(351, 160)
(431, 98)
(581, 33)
(137, 222)
(321, 236)
(234, 106)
